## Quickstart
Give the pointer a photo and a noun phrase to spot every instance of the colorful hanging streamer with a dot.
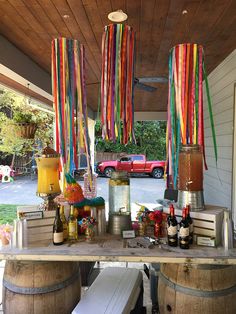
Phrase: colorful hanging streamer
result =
(117, 83)
(71, 120)
(185, 103)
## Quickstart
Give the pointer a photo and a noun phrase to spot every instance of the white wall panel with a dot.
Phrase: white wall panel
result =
(218, 180)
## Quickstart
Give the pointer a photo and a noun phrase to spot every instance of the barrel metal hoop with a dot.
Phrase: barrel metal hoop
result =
(40, 290)
(195, 292)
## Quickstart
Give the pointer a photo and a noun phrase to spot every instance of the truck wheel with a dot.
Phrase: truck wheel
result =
(157, 173)
(108, 171)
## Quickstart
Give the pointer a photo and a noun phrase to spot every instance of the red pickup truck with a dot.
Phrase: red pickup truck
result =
(132, 164)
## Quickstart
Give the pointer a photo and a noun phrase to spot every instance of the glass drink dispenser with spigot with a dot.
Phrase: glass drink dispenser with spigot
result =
(119, 203)
(48, 177)
(190, 180)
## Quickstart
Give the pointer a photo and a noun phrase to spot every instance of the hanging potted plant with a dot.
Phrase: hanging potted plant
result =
(25, 124)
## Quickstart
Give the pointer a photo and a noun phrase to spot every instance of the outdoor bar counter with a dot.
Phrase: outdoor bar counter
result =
(114, 249)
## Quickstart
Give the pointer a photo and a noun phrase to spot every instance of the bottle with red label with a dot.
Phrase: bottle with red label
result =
(172, 228)
(184, 231)
(190, 221)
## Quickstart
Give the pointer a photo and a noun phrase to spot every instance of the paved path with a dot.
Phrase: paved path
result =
(23, 190)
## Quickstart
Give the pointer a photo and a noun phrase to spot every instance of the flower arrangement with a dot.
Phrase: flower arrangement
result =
(88, 222)
(143, 214)
(155, 217)
(5, 233)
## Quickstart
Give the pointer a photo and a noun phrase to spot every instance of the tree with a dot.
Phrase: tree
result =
(13, 108)
(150, 140)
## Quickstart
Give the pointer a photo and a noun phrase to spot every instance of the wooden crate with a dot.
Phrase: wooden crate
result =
(41, 228)
(206, 223)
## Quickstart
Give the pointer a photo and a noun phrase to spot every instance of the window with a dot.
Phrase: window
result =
(137, 158)
(125, 159)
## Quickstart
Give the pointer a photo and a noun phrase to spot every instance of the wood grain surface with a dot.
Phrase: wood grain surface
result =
(112, 248)
(159, 24)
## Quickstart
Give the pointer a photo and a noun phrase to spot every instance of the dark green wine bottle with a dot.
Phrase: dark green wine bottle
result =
(184, 232)
(190, 222)
(172, 228)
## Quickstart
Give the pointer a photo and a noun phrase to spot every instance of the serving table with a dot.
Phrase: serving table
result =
(114, 249)
(45, 261)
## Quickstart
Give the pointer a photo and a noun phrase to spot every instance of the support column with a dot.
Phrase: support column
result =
(91, 129)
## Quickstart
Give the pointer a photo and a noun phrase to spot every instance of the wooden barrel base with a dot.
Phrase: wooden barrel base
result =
(41, 287)
(197, 289)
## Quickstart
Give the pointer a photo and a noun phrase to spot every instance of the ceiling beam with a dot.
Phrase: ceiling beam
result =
(15, 60)
(14, 85)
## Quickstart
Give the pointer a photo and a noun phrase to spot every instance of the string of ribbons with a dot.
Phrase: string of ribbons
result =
(117, 83)
(70, 104)
(185, 123)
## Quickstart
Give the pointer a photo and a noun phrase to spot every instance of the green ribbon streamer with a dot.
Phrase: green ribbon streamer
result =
(210, 112)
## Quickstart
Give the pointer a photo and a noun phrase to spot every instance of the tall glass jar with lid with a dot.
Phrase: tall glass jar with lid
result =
(119, 202)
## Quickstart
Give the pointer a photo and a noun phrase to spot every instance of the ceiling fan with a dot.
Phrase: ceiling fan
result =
(139, 82)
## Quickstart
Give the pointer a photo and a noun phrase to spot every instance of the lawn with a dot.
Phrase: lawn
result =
(7, 213)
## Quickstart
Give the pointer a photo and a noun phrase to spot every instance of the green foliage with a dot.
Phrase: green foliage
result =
(20, 117)
(7, 213)
(14, 109)
(150, 140)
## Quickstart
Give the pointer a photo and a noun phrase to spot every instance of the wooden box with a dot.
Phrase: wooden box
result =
(206, 223)
(39, 229)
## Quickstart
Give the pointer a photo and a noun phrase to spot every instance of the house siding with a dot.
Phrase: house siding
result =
(218, 179)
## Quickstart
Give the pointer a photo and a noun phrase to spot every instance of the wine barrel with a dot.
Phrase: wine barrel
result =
(197, 289)
(41, 287)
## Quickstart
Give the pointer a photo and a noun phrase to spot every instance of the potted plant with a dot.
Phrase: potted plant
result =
(25, 124)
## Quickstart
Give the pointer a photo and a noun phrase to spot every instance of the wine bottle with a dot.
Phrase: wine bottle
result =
(65, 225)
(172, 228)
(58, 228)
(190, 222)
(184, 231)
(72, 225)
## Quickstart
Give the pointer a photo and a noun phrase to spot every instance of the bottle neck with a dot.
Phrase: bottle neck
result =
(58, 211)
(62, 210)
(172, 211)
(72, 210)
(184, 214)
(188, 210)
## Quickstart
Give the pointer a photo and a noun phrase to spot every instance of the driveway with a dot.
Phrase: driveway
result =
(22, 191)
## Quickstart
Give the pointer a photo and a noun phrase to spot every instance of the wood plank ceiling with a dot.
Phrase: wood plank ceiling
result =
(159, 24)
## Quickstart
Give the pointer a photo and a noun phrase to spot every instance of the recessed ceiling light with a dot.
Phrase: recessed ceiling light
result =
(66, 16)
(117, 16)
(184, 12)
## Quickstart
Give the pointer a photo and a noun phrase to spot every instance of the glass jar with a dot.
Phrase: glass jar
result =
(190, 168)
(119, 193)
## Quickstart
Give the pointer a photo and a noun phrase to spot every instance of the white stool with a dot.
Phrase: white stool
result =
(116, 290)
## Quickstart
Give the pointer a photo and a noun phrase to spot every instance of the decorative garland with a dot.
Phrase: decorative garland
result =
(185, 103)
(70, 104)
(117, 83)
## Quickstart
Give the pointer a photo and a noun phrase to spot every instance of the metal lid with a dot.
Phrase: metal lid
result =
(49, 152)
(190, 147)
(119, 175)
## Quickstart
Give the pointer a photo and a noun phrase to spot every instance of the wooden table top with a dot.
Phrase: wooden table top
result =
(111, 248)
